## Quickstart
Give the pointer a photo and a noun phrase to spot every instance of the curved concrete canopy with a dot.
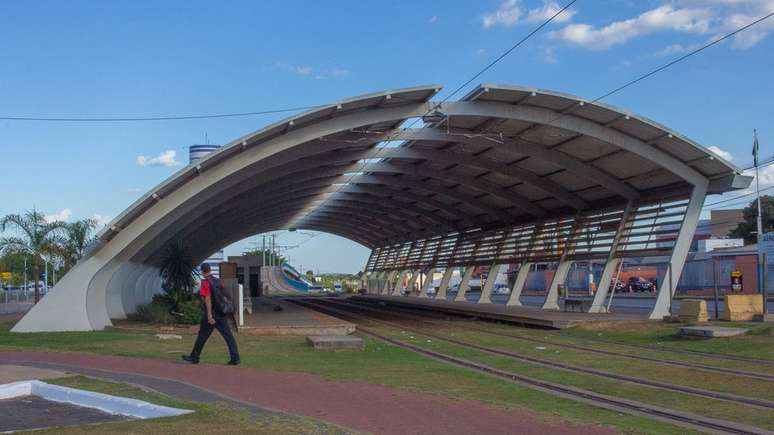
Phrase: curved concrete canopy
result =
(501, 155)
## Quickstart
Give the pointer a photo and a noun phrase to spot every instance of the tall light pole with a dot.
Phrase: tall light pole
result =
(759, 236)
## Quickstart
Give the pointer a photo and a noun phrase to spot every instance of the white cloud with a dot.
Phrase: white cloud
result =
(549, 9)
(507, 15)
(317, 73)
(62, 216)
(101, 220)
(710, 18)
(722, 153)
(165, 158)
(619, 32)
(511, 12)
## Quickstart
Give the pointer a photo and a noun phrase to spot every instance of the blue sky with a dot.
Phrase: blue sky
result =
(74, 59)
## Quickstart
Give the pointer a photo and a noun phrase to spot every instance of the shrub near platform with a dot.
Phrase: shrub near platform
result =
(159, 310)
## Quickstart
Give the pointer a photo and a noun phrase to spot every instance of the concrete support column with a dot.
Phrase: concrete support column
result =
(603, 288)
(486, 290)
(447, 275)
(518, 286)
(387, 284)
(679, 253)
(398, 288)
(552, 297)
(465, 284)
(379, 283)
(428, 282)
(415, 280)
(372, 281)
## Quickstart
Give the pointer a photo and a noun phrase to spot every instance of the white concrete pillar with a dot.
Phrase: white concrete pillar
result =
(560, 276)
(379, 281)
(387, 284)
(465, 284)
(603, 287)
(486, 290)
(447, 276)
(518, 286)
(398, 288)
(415, 280)
(428, 282)
(679, 253)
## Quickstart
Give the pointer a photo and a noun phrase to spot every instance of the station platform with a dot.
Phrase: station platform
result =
(274, 316)
(528, 316)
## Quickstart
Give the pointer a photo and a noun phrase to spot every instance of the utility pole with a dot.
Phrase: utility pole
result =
(759, 236)
(263, 250)
(274, 249)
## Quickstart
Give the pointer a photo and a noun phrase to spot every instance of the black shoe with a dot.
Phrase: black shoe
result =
(233, 362)
(190, 359)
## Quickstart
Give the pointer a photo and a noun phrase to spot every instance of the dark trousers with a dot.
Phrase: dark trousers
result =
(205, 329)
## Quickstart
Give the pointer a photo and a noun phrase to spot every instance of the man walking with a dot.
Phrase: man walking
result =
(212, 319)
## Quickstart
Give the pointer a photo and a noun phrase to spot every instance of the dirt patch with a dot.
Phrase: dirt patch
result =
(32, 412)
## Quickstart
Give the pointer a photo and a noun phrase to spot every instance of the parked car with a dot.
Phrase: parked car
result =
(640, 284)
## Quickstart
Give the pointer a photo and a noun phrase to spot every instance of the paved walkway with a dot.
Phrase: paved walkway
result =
(359, 406)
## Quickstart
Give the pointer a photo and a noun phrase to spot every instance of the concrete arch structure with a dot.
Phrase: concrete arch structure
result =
(503, 156)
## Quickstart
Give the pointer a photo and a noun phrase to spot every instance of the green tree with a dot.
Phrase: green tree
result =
(178, 270)
(32, 236)
(79, 236)
(747, 230)
(13, 263)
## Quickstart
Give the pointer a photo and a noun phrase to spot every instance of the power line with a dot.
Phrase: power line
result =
(161, 118)
(669, 64)
(370, 157)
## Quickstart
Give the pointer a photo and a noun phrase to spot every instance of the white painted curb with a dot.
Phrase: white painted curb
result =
(88, 399)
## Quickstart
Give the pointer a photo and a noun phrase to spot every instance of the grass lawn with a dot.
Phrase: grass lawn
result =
(388, 365)
(206, 418)
(688, 403)
(757, 343)
(378, 364)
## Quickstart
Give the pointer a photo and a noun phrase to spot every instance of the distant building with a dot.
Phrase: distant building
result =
(197, 152)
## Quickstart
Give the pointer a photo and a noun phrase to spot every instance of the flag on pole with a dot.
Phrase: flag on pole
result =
(755, 148)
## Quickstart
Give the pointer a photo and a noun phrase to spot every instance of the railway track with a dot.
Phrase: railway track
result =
(683, 419)
(714, 355)
(578, 369)
(704, 367)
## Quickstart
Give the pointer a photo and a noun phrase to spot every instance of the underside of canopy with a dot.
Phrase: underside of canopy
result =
(395, 167)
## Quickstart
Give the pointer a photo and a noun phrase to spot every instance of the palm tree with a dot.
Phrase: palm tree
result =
(78, 239)
(34, 237)
(178, 270)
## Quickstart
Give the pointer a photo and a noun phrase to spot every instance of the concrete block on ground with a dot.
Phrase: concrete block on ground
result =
(331, 342)
(693, 310)
(710, 331)
(743, 307)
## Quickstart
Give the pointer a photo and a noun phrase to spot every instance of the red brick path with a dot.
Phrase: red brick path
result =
(360, 406)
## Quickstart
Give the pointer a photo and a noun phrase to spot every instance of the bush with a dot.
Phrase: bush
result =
(190, 313)
(154, 312)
